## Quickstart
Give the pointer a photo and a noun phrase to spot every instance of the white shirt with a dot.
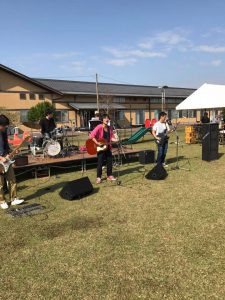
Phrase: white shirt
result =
(161, 128)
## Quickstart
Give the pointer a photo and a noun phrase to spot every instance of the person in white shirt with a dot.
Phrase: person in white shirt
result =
(160, 131)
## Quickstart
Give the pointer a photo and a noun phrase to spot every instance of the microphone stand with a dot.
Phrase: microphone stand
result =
(119, 158)
(177, 167)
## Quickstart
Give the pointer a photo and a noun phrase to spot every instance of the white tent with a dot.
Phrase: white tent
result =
(208, 96)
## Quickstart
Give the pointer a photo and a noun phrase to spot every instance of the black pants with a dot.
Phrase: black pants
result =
(105, 155)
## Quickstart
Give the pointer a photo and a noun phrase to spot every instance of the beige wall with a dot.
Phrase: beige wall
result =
(11, 86)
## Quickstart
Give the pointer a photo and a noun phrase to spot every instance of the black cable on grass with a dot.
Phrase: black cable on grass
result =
(52, 208)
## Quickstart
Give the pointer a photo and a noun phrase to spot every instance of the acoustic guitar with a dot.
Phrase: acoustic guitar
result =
(93, 149)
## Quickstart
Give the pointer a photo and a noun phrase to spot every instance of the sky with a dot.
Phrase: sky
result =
(171, 42)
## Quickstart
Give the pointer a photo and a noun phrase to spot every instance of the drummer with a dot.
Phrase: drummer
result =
(47, 123)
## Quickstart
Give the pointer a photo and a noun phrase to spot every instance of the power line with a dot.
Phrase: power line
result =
(116, 80)
(64, 77)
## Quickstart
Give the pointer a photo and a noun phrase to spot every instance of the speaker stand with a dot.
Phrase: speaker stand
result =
(177, 166)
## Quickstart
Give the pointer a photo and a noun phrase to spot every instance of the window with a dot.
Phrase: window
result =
(62, 116)
(41, 97)
(23, 116)
(174, 114)
(139, 117)
(156, 114)
(192, 113)
(183, 114)
(173, 101)
(121, 115)
(23, 96)
(32, 96)
(155, 100)
(119, 100)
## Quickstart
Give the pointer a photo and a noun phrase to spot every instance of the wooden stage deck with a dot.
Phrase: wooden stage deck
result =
(79, 159)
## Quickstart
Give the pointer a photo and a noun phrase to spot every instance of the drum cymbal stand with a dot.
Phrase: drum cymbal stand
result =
(66, 144)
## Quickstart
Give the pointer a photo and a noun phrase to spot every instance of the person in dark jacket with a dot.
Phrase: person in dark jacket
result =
(47, 123)
(205, 118)
(9, 175)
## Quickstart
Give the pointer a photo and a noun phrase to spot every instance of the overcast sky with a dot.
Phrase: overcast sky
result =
(174, 43)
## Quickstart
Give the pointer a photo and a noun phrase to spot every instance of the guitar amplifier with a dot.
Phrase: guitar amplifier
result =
(147, 157)
(21, 160)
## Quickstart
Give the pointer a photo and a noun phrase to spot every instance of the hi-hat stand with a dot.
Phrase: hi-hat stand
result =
(67, 146)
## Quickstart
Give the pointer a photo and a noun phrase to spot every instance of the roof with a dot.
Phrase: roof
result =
(89, 88)
(35, 82)
(92, 105)
(207, 96)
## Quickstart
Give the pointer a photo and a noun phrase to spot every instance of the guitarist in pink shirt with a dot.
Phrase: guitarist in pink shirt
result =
(104, 131)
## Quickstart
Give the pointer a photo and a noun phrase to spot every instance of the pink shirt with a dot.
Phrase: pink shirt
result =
(98, 132)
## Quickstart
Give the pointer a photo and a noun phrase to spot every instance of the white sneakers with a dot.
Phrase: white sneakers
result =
(16, 201)
(4, 205)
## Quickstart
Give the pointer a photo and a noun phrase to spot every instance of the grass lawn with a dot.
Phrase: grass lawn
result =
(142, 240)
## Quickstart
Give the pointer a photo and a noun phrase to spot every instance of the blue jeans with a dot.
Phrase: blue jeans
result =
(162, 150)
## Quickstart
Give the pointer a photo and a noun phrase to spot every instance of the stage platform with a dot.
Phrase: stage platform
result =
(79, 159)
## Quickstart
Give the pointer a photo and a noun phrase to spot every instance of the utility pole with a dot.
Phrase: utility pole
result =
(97, 92)
(163, 96)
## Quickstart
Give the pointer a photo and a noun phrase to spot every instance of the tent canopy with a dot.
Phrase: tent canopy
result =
(208, 96)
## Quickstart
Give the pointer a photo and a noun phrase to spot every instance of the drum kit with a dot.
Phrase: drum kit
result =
(54, 144)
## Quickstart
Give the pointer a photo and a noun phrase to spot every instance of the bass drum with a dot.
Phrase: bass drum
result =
(52, 148)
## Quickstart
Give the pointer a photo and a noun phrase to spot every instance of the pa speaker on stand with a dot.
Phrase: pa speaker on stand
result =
(210, 141)
(157, 173)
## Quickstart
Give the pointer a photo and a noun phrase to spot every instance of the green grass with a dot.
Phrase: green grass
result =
(142, 240)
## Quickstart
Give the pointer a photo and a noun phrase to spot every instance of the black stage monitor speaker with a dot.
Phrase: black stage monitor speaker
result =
(157, 173)
(210, 141)
(76, 189)
(147, 157)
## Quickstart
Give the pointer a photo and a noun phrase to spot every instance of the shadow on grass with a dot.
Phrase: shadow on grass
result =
(174, 159)
(51, 189)
(138, 169)
(43, 191)
(220, 155)
(77, 223)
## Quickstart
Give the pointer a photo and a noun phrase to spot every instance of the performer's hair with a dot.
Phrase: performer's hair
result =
(4, 121)
(48, 111)
(162, 114)
(105, 116)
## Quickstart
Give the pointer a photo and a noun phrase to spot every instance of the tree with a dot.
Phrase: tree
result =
(38, 111)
